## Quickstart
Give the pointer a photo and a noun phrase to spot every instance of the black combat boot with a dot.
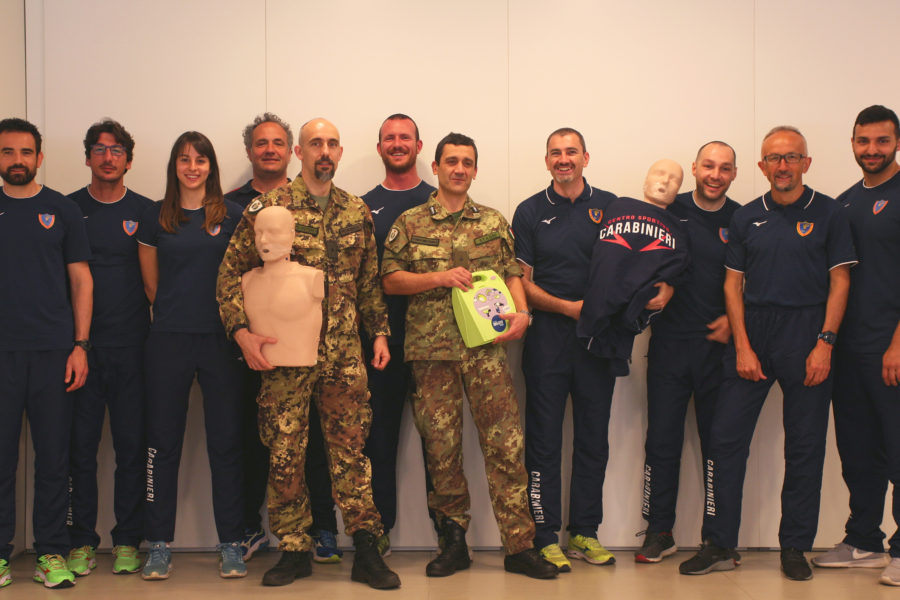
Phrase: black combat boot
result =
(368, 566)
(454, 555)
(291, 566)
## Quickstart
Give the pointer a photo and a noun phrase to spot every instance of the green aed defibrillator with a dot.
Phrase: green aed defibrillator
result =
(478, 310)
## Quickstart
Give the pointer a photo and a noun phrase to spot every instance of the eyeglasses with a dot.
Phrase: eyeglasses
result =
(100, 149)
(791, 158)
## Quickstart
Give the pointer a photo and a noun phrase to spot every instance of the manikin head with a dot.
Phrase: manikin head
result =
(663, 182)
(274, 230)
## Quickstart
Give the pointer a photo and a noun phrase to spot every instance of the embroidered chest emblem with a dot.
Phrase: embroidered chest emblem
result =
(47, 220)
(878, 206)
(723, 234)
(595, 214)
(804, 228)
(130, 227)
(216, 229)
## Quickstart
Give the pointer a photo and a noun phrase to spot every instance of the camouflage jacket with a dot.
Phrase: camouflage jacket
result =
(425, 239)
(340, 242)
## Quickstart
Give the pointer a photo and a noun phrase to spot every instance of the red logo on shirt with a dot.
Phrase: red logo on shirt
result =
(130, 227)
(878, 206)
(595, 214)
(804, 228)
(47, 220)
(723, 234)
(215, 230)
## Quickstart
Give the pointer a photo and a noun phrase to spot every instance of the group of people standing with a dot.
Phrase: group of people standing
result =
(768, 288)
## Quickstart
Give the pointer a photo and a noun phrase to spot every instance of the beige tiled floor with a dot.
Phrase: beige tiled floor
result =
(195, 577)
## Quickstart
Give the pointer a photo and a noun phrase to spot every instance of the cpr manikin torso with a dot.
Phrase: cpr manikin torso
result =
(283, 299)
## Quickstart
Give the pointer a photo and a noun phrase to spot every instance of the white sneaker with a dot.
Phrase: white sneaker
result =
(845, 555)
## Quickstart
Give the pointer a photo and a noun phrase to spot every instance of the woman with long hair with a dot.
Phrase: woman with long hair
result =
(182, 241)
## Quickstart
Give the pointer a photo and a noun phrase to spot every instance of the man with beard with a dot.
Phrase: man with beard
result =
(555, 234)
(334, 233)
(45, 307)
(402, 189)
(788, 273)
(689, 337)
(867, 366)
(121, 319)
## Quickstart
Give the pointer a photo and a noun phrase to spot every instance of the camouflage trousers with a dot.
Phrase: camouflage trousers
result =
(341, 396)
(438, 410)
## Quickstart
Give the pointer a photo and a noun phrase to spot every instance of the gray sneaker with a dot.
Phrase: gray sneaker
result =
(845, 555)
(891, 573)
(231, 561)
(159, 562)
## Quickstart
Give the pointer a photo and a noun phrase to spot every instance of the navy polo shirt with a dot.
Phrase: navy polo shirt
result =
(786, 252)
(244, 194)
(39, 237)
(555, 237)
(188, 266)
(873, 308)
(702, 300)
(386, 205)
(121, 312)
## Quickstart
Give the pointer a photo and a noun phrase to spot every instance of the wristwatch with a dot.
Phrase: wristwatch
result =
(84, 345)
(530, 316)
(829, 337)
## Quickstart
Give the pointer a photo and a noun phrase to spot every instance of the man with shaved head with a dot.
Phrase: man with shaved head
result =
(333, 233)
(788, 273)
(689, 337)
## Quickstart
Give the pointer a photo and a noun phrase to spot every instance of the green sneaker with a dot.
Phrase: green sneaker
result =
(50, 569)
(383, 545)
(127, 560)
(5, 576)
(552, 553)
(82, 560)
(589, 549)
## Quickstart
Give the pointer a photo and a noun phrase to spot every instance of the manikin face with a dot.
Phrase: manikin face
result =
(398, 146)
(319, 150)
(456, 169)
(714, 170)
(18, 160)
(663, 182)
(565, 158)
(269, 153)
(108, 167)
(875, 146)
(274, 230)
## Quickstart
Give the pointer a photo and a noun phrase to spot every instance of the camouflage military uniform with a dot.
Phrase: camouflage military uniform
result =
(426, 239)
(341, 243)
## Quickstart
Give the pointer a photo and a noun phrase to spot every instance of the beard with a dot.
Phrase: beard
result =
(401, 168)
(323, 175)
(886, 160)
(18, 178)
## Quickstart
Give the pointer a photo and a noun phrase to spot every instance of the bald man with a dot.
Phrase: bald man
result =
(335, 234)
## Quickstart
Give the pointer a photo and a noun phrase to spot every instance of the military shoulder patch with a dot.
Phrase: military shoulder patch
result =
(255, 207)
(393, 234)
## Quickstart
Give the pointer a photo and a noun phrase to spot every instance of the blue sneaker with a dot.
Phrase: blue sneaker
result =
(326, 548)
(159, 562)
(252, 542)
(231, 563)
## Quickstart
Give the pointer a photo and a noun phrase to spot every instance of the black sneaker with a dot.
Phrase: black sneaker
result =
(657, 546)
(794, 565)
(710, 558)
(530, 562)
(291, 566)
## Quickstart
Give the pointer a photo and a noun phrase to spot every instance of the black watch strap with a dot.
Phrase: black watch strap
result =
(829, 337)
(83, 344)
